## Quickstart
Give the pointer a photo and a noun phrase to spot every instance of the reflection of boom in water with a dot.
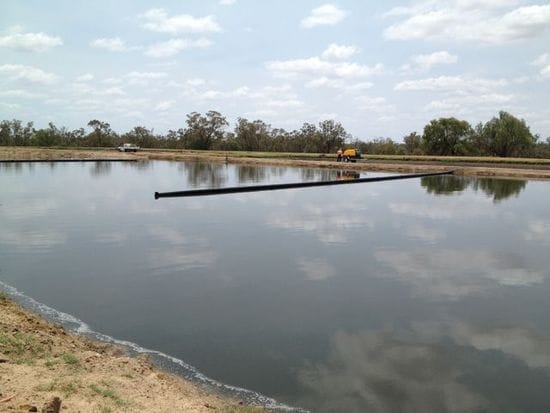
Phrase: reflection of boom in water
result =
(274, 187)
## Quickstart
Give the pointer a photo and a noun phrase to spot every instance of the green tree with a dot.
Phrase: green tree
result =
(251, 136)
(446, 136)
(15, 133)
(5, 133)
(332, 136)
(50, 136)
(307, 139)
(203, 131)
(102, 134)
(506, 136)
(413, 144)
(381, 146)
(141, 136)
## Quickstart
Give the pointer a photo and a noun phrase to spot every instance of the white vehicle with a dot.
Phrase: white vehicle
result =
(128, 147)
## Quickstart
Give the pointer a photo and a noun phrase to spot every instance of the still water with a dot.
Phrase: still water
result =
(416, 295)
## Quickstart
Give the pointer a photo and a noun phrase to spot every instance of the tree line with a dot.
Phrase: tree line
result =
(503, 135)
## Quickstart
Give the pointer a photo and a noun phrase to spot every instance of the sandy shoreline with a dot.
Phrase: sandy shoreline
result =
(40, 361)
(472, 167)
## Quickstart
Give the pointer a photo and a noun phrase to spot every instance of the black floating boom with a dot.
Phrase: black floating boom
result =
(274, 187)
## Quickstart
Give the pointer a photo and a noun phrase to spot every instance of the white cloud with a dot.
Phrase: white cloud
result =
(325, 15)
(10, 106)
(145, 75)
(227, 2)
(338, 84)
(157, 20)
(482, 21)
(424, 62)
(314, 66)
(165, 105)
(86, 77)
(174, 46)
(543, 61)
(28, 73)
(265, 99)
(461, 102)
(460, 95)
(35, 42)
(18, 93)
(375, 104)
(339, 52)
(195, 82)
(452, 83)
(115, 44)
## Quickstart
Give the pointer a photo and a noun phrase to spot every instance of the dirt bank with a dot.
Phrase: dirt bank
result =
(475, 167)
(40, 361)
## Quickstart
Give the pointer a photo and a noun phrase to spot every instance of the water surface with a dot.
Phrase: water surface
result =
(416, 295)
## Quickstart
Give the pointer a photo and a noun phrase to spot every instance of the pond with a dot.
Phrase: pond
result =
(416, 295)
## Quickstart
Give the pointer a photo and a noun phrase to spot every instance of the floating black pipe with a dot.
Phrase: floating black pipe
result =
(274, 187)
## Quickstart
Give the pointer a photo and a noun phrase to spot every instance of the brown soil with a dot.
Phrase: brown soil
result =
(477, 166)
(40, 361)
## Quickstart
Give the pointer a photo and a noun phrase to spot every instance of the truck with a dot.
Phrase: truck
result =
(128, 147)
(348, 155)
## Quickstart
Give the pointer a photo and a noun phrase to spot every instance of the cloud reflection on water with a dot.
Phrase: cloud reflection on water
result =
(453, 274)
(376, 372)
(175, 252)
(427, 368)
(316, 269)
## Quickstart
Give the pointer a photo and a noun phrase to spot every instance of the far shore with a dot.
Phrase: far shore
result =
(511, 168)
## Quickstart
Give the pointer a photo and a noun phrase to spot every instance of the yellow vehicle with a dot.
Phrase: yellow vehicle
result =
(348, 155)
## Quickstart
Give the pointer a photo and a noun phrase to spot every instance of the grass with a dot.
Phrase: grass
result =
(67, 388)
(23, 347)
(3, 295)
(461, 159)
(71, 359)
(50, 363)
(105, 390)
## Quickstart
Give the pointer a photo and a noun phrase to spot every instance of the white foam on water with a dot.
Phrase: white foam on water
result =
(80, 327)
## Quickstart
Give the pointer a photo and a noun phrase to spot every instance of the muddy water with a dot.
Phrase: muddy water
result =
(417, 295)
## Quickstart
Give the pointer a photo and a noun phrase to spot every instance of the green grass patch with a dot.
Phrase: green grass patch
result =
(105, 390)
(3, 295)
(71, 359)
(459, 159)
(50, 363)
(51, 386)
(67, 388)
(24, 348)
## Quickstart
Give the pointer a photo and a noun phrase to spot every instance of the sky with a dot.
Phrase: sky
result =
(382, 69)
